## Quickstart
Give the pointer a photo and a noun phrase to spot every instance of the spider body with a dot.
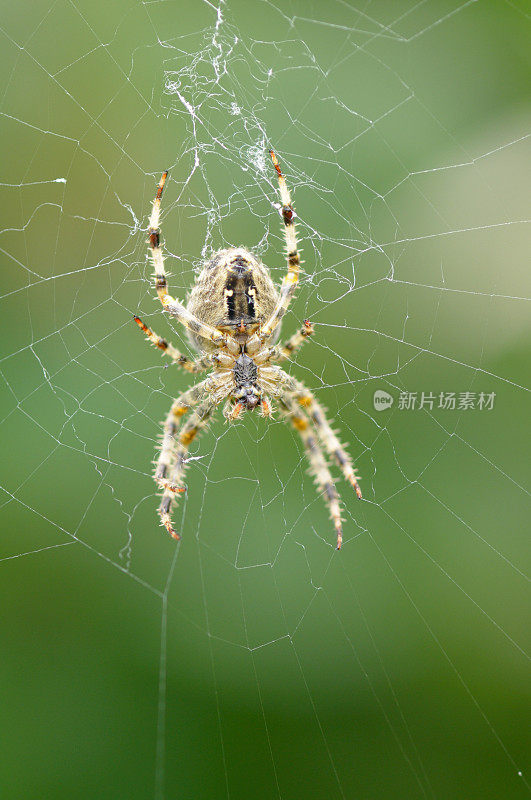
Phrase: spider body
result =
(233, 316)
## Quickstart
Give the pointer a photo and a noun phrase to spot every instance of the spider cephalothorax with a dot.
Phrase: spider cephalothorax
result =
(246, 389)
(233, 316)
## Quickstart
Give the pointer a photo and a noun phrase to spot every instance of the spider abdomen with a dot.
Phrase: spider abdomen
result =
(234, 293)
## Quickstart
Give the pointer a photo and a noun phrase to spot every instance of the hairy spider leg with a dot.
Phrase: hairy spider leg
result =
(174, 307)
(176, 356)
(290, 347)
(189, 430)
(327, 436)
(166, 457)
(277, 354)
(318, 466)
(290, 281)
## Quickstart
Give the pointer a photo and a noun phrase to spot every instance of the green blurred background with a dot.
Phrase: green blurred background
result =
(252, 660)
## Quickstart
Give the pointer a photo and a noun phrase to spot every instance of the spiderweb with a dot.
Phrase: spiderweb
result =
(252, 659)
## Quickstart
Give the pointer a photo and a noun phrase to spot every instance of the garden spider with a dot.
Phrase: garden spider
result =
(233, 317)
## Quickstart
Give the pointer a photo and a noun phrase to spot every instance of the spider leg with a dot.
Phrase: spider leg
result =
(277, 354)
(167, 450)
(289, 284)
(174, 307)
(176, 356)
(318, 466)
(187, 433)
(327, 436)
(275, 380)
(295, 342)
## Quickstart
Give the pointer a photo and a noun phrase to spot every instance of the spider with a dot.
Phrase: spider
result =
(233, 316)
